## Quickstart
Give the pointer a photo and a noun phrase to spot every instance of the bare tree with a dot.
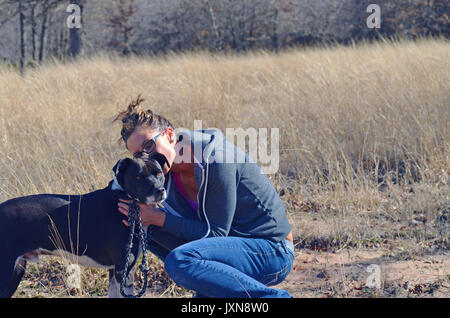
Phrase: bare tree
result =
(47, 7)
(22, 33)
(218, 40)
(33, 4)
(119, 20)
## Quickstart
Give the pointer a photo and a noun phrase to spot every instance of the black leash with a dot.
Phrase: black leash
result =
(134, 215)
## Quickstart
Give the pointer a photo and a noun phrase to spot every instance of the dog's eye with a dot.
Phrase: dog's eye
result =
(159, 175)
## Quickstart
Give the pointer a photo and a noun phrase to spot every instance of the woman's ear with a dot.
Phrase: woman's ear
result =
(171, 134)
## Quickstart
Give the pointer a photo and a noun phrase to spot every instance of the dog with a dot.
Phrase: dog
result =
(85, 227)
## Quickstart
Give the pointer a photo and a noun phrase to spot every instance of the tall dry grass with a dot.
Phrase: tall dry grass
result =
(345, 114)
(352, 121)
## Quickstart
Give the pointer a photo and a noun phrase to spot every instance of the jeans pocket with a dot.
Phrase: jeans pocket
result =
(270, 279)
(276, 278)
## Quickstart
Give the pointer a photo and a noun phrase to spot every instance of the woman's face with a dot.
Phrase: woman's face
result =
(165, 143)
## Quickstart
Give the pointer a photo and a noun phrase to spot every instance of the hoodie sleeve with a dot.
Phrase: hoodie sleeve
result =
(220, 205)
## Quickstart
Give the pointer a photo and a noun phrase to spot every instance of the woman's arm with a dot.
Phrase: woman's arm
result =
(220, 205)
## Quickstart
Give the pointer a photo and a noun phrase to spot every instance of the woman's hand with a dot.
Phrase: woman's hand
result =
(150, 215)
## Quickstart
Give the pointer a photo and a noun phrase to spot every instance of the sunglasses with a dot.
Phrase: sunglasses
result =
(149, 147)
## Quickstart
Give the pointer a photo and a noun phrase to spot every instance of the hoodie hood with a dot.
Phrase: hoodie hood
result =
(205, 144)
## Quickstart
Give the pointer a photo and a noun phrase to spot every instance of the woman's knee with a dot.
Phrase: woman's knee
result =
(178, 261)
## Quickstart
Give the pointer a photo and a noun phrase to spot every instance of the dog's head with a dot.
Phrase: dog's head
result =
(143, 178)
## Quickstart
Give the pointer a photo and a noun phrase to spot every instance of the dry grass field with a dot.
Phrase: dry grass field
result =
(364, 152)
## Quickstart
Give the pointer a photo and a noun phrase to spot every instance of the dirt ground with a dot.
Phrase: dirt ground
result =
(315, 274)
(384, 254)
(353, 273)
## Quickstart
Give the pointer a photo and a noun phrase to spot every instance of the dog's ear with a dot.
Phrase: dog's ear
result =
(120, 167)
(161, 159)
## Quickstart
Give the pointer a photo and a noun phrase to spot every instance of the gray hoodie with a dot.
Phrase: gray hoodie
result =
(235, 197)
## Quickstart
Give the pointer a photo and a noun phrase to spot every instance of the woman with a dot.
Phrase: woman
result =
(223, 231)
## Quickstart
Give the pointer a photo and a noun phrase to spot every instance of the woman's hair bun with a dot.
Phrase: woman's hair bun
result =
(132, 118)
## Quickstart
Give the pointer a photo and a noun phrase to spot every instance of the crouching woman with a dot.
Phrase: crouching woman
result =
(223, 231)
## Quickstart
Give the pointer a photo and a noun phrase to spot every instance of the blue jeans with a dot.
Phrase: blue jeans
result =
(232, 267)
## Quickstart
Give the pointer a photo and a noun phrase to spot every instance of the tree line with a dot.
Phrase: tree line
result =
(159, 26)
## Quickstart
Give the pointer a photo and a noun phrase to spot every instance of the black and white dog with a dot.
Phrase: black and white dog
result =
(87, 227)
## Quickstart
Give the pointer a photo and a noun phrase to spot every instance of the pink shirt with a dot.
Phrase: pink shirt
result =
(192, 203)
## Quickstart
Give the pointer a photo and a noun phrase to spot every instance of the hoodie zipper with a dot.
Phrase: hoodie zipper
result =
(199, 189)
(198, 194)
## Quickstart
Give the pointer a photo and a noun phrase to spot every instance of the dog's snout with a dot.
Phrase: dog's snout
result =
(160, 194)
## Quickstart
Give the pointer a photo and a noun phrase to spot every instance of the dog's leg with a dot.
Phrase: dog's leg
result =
(19, 271)
(10, 275)
(114, 283)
